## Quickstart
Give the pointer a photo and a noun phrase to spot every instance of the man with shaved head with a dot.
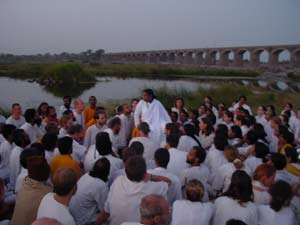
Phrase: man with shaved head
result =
(154, 210)
(55, 204)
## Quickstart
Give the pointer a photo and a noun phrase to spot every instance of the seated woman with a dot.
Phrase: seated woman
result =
(189, 139)
(279, 211)
(235, 136)
(206, 133)
(192, 211)
(263, 178)
(237, 202)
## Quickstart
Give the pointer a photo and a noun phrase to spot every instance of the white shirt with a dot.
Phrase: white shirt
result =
(155, 115)
(14, 165)
(79, 118)
(150, 147)
(18, 123)
(226, 208)
(174, 190)
(286, 176)
(62, 132)
(222, 178)
(200, 173)
(206, 141)
(252, 163)
(5, 150)
(267, 216)
(126, 130)
(186, 212)
(124, 198)
(177, 161)
(245, 106)
(89, 199)
(91, 133)
(22, 175)
(214, 159)
(114, 138)
(261, 193)
(92, 156)
(186, 143)
(33, 132)
(50, 208)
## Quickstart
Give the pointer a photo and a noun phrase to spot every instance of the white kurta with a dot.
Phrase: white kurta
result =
(124, 198)
(252, 163)
(206, 140)
(91, 133)
(150, 147)
(62, 132)
(79, 118)
(186, 143)
(177, 161)
(89, 199)
(14, 166)
(226, 208)
(18, 123)
(21, 177)
(33, 132)
(261, 193)
(92, 156)
(191, 213)
(155, 115)
(126, 130)
(5, 151)
(267, 216)
(114, 138)
(214, 159)
(50, 208)
(174, 190)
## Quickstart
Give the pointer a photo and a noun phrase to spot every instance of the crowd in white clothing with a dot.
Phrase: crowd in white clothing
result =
(150, 165)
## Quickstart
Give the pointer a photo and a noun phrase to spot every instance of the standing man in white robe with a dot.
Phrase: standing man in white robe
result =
(153, 112)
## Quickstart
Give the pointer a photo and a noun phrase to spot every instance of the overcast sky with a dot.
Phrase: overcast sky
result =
(55, 26)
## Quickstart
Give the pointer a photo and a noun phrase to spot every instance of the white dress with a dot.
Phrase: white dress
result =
(267, 216)
(261, 194)
(186, 212)
(226, 208)
(186, 143)
(177, 161)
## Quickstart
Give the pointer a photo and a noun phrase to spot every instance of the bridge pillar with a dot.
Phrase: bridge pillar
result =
(179, 59)
(199, 59)
(224, 59)
(295, 58)
(254, 58)
(238, 59)
(188, 58)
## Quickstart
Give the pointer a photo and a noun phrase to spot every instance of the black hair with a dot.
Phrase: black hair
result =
(8, 130)
(251, 137)
(190, 131)
(261, 150)
(220, 142)
(103, 144)
(200, 153)
(75, 129)
(278, 160)
(29, 115)
(138, 147)
(292, 153)
(28, 152)
(222, 128)
(49, 141)
(101, 169)
(281, 193)
(162, 157)
(64, 145)
(260, 132)
(240, 187)
(135, 168)
(67, 97)
(150, 92)
(172, 140)
(114, 121)
(235, 222)
(20, 137)
(209, 125)
(237, 131)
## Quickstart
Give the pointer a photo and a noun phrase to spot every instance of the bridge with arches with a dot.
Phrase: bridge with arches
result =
(250, 56)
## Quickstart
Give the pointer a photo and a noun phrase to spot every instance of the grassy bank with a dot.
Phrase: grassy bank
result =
(227, 94)
(30, 71)
(294, 76)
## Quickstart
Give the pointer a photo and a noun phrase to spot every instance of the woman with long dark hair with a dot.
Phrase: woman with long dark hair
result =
(237, 201)
(189, 139)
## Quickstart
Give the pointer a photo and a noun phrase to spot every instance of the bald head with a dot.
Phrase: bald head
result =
(64, 181)
(46, 221)
(79, 105)
(154, 209)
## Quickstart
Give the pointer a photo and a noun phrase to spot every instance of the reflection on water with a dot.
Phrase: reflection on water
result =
(106, 89)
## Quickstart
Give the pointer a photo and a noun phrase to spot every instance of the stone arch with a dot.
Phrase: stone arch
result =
(274, 56)
(295, 57)
(211, 57)
(199, 57)
(259, 56)
(241, 57)
(226, 57)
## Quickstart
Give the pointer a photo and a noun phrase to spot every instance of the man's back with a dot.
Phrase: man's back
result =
(125, 196)
(177, 161)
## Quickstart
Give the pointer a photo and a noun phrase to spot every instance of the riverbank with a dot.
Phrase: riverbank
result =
(38, 71)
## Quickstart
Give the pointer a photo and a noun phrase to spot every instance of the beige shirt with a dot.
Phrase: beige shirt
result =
(28, 201)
